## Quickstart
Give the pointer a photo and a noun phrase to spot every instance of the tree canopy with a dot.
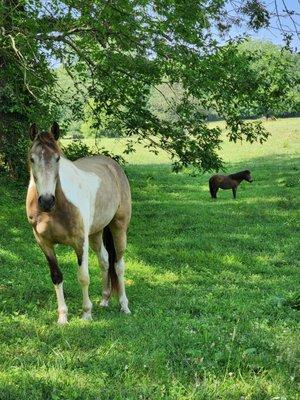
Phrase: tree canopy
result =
(116, 53)
(277, 74)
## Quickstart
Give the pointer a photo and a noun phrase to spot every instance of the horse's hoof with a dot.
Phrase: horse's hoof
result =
(104, 303)
(62, 320)
(125, 310)
(86, 316)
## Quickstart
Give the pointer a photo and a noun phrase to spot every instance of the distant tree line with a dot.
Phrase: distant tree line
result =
(277, 69)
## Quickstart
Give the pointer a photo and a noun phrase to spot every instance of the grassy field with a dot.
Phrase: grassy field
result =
(285, 139)
(212, 288)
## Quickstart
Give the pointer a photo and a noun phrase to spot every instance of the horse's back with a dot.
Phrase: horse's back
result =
(104, 167)
(216, 179)
(221, 181)
(114, 182)
(97, 164)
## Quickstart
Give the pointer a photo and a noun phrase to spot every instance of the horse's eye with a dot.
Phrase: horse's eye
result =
(31, 159)
(58, 158)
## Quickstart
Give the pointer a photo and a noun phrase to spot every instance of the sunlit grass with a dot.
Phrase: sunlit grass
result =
(210, 286)
(284, 139)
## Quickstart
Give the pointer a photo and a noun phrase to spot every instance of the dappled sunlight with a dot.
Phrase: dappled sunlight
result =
(284, 140)
(231, 260)
(144, 271)
(206, 282)
(50, 381)
(9, 255)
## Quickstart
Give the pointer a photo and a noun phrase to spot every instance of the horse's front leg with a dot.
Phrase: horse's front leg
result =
(84, 279)
(57, 279)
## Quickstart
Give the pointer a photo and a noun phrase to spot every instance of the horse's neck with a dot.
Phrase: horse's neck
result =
(78, 187)
(67, 164)
(237, 177)
(69, 180)
(240, 179)
(31, 180)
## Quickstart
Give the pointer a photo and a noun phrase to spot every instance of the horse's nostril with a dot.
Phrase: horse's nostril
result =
(46, 202)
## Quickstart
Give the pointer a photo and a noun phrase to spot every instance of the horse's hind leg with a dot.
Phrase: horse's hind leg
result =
(119, 233)
(234, 192)
(214, 192)
(102, 255)
(213, 189)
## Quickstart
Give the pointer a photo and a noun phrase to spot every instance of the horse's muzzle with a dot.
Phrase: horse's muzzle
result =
(46, 202)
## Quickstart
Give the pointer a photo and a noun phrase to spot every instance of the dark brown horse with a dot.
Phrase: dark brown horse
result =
(228, 182)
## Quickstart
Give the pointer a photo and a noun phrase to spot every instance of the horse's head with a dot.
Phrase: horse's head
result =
(248, 176)
(44, 156)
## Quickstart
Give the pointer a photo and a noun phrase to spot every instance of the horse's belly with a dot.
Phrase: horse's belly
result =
(105, 210)
(225, 186)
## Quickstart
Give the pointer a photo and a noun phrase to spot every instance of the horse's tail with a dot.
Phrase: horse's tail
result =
(211, 187)
(108, 242)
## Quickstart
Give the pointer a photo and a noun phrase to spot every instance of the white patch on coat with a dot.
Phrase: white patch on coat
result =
(104, 257)
(104, 264)
(80, 188)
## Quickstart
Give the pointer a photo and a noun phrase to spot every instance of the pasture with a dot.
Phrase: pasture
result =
(213, 289)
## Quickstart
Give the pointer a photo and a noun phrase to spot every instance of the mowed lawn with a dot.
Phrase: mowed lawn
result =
(213, 288)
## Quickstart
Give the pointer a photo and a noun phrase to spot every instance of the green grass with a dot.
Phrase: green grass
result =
(284, 140)
(213, 288)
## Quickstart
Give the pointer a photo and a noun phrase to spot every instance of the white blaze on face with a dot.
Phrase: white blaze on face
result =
(45, 171)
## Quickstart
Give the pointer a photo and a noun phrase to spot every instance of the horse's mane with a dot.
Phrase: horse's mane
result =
(47, 139)
(240, 175)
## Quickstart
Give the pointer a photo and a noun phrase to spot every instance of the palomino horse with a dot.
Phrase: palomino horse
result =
(81, 203)
(228, 182)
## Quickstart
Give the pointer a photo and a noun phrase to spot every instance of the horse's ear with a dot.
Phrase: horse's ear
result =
(33, 131)
(55, 130)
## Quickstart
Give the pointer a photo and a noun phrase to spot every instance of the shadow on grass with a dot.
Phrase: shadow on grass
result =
(206, 281)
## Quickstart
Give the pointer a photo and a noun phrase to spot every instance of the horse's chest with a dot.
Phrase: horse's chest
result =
(61, 226)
